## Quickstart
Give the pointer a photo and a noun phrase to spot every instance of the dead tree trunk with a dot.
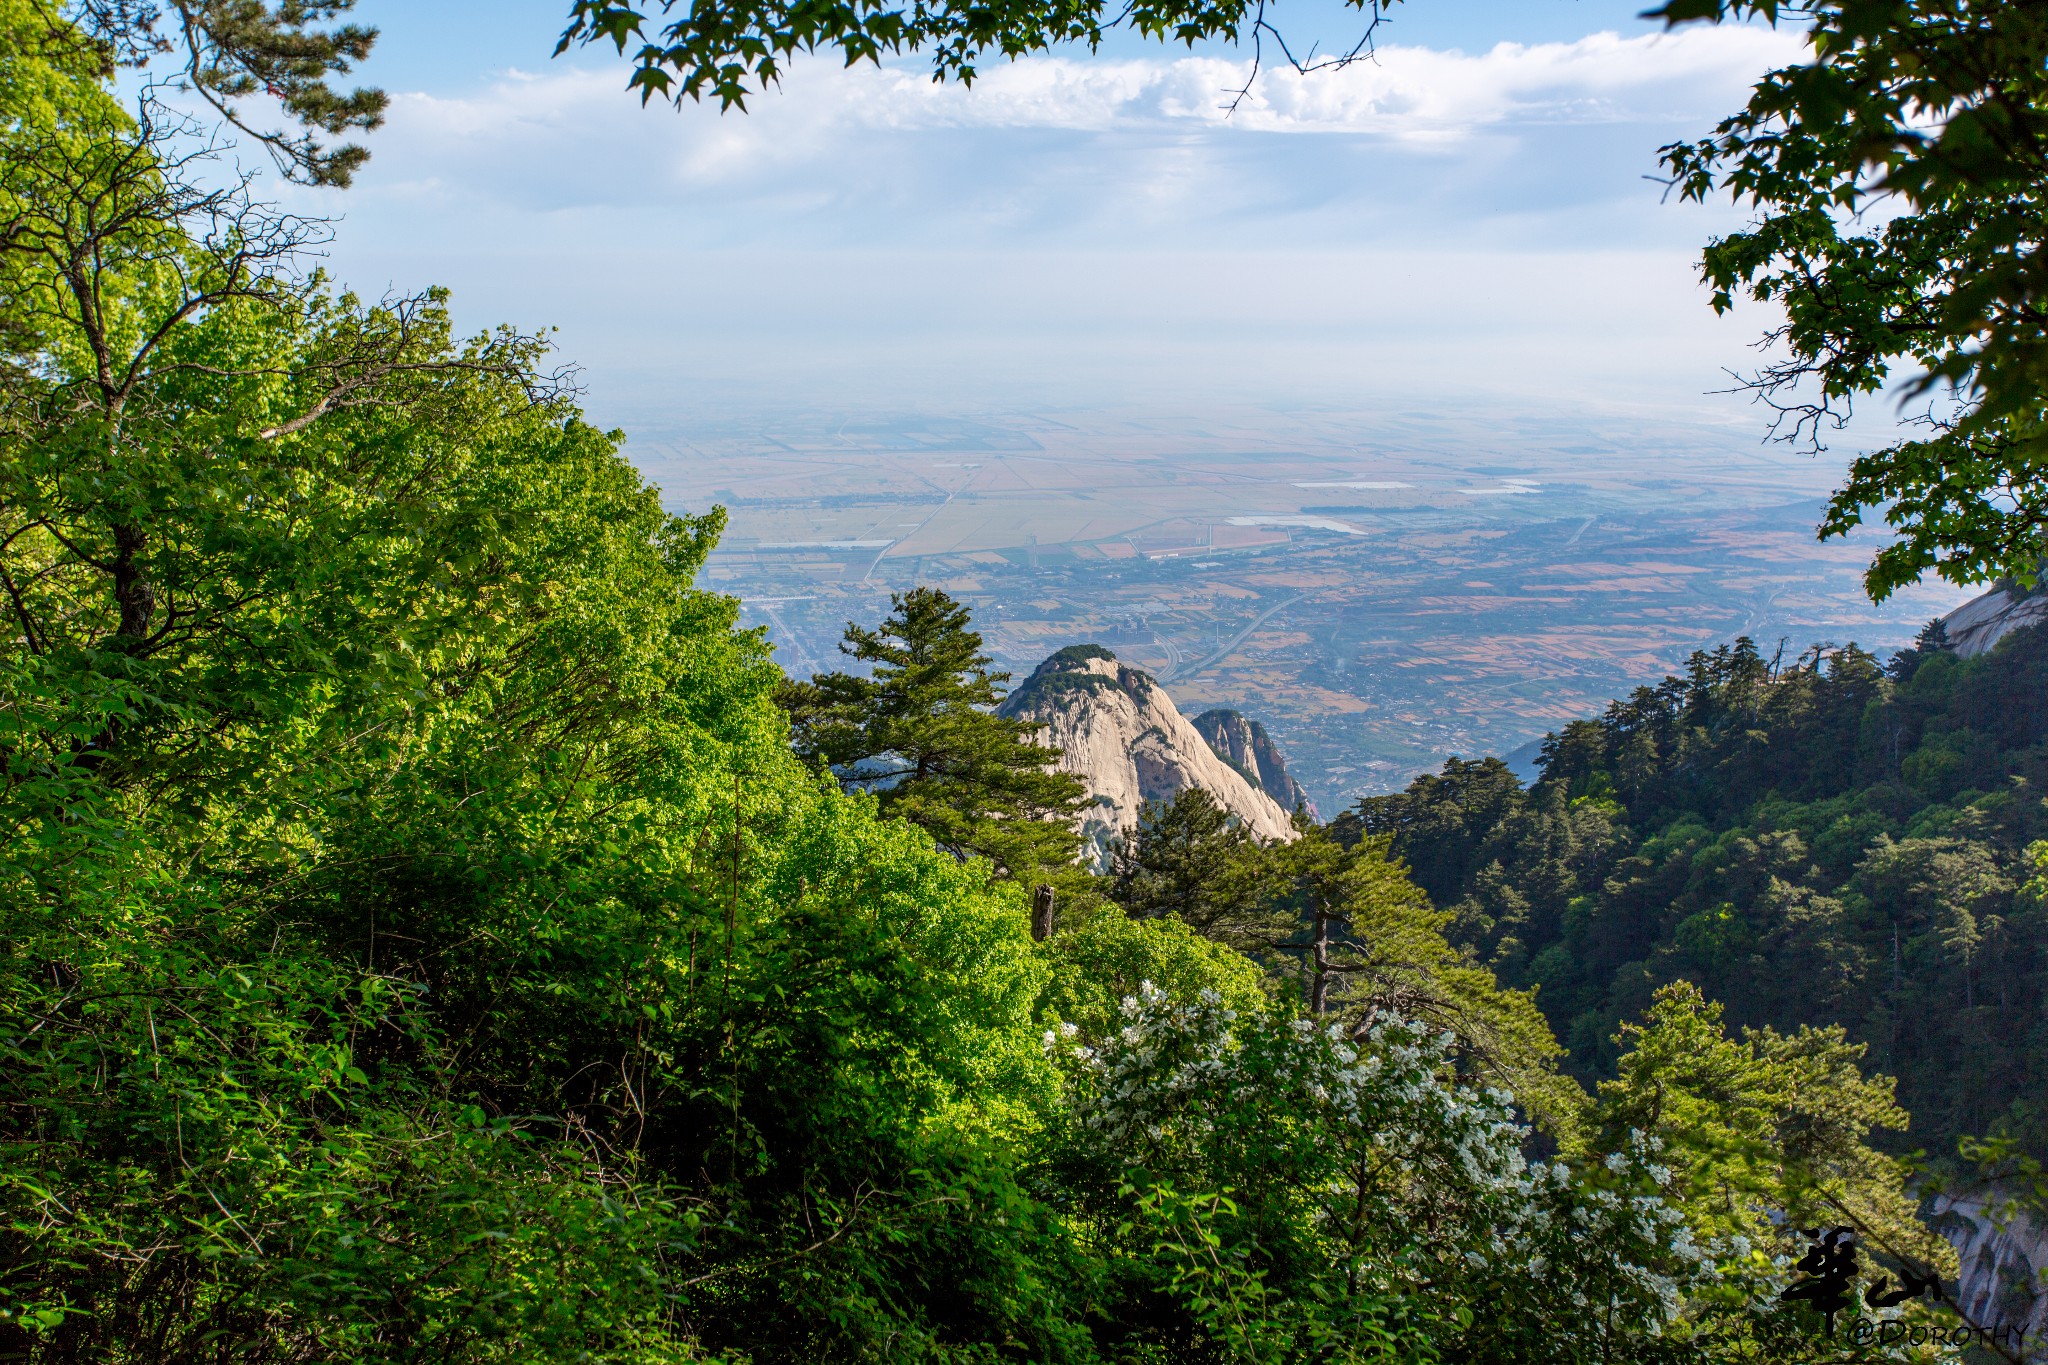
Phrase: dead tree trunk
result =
(1041, 913)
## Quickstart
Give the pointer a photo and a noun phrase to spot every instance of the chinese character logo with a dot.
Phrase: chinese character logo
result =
(1826, 1272)
(1912, 1286)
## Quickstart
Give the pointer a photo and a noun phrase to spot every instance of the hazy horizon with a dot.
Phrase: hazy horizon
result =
(1453, 257)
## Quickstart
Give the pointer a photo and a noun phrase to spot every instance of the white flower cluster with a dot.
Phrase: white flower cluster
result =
(1375, 1129)
(1147, 1074)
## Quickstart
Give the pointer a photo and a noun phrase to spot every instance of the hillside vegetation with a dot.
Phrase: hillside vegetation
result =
(1825, 841)
(431, 930)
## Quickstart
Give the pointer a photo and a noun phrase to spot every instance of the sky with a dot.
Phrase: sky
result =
(1468, 218)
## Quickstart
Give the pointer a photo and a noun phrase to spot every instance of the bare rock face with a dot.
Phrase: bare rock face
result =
(1980, 623)
(1118, 731)
(1243, 743)
(2003, 1252)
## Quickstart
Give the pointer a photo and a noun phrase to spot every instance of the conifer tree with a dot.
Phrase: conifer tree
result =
(230, 51)
(1765, 1131)
(1351, 927)
(1189, 859)
(922, 734)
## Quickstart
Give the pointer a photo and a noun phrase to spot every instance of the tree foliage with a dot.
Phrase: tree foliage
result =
(1899, 177)
(1816, 842)
(1764, 1126)
(1347, 932)
(1189, 859)
(419, 941)
(730, 51)
(921, 732)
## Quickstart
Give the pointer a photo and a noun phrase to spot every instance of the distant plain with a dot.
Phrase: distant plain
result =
(1383, 588)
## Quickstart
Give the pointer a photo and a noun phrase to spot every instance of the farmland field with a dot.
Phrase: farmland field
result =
(1383, 589)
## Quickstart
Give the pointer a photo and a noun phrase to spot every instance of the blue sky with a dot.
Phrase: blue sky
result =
(444, 45)
(1460, 220)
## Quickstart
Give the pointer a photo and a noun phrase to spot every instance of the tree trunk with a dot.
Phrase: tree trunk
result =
(132, 592)
(1041, 913)
(1319, 950)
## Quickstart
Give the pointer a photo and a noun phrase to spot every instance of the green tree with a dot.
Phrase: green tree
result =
(1361, 942)
(1189, 859)
(1259, 1184)
(416, 937)
(1764, 1134)
(1900, 179)
(264, 549)
(1946, 895)
(920, 731)
(1827, 841)
(1109, 958)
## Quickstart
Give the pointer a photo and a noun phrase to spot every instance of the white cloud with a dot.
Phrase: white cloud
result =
(1401, 92)
(1417, 93)
(1431, 220)
(578, 128)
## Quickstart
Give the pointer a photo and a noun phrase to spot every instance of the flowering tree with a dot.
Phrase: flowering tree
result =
(1291, 1191)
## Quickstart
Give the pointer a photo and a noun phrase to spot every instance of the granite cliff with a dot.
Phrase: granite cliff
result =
(1120, 733)
(1980, 623)
(1245, 745)
(2003, 1250)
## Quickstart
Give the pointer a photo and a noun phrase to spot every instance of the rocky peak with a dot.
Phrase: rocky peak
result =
(1120, 733)
(1980, 623)
(1245, 745)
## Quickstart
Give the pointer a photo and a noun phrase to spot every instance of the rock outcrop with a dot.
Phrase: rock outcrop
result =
(1980, 623)
(2003, 1252)
(1118, 731)
(1243, 743)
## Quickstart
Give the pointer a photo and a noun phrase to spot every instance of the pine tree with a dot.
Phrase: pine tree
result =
(287, 51)
(1189, 858)
(1764, 1130)
(922, 734)
(1365, 943)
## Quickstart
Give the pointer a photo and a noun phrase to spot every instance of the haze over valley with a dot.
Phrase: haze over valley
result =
(1375, 407)
(1383, 588)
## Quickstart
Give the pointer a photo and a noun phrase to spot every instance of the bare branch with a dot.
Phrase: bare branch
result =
(1264, 29)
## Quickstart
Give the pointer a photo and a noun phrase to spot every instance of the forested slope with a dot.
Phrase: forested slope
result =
(431, 930)
(1826, 840)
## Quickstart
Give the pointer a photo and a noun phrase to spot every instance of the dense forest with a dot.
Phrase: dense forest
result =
(1823, 840)
(432, 930)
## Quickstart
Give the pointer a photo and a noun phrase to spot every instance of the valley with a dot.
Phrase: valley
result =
(1383, 589)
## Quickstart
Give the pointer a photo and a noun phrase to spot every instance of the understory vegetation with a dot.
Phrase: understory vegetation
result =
(431, 930)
